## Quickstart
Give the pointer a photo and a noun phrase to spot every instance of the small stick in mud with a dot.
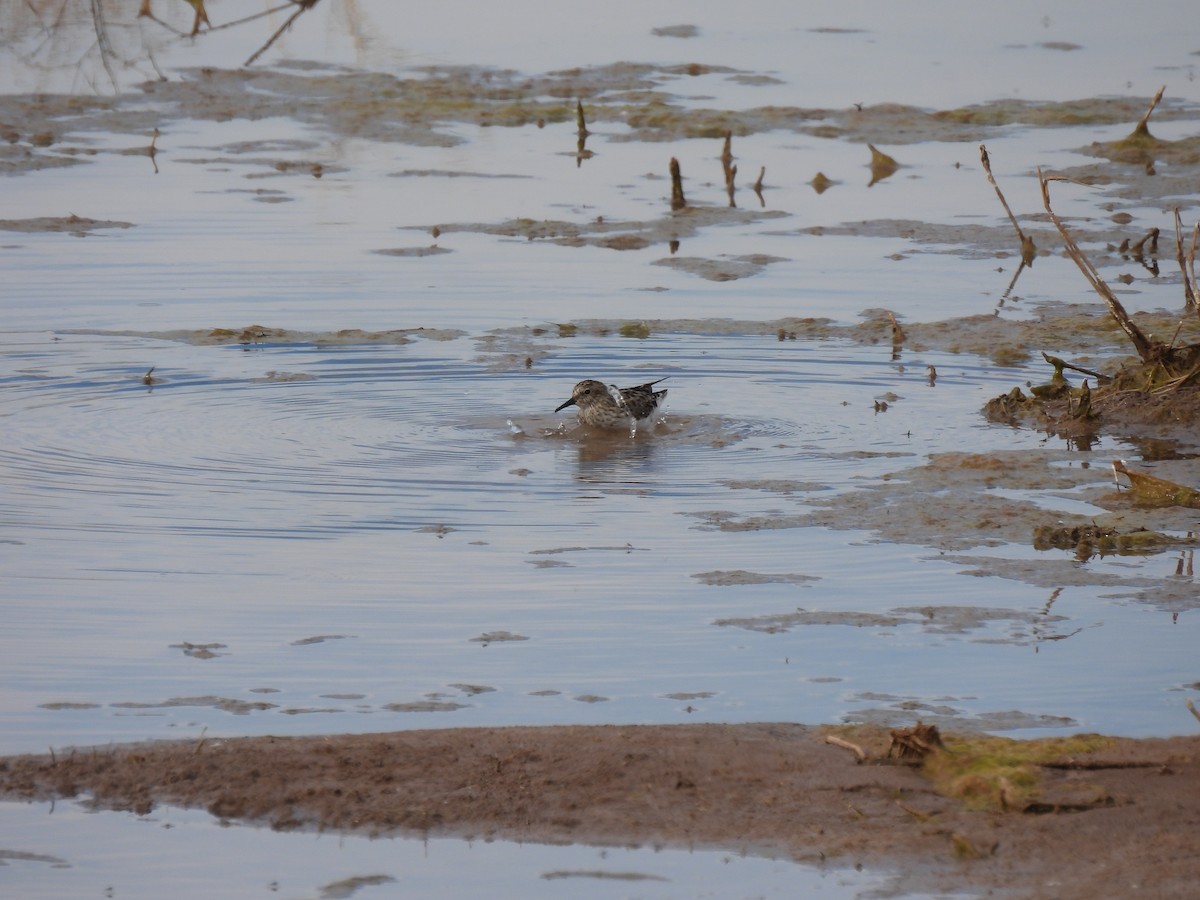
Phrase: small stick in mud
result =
(727, 152)
(677, 201)
(1175, 336)
(580, 122)
(1060, 364)
(858, 751)
(727, 165)
(916, 814)
(758, 188)
(1028, 249)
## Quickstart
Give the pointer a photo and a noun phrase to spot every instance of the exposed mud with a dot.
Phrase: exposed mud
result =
(960, 501)
(1087, 335)
(1117, 817)
(636, 101)
(639, 96)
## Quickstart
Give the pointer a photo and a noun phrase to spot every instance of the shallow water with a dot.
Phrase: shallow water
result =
(259, 498)
(174, 850)
(320, 531)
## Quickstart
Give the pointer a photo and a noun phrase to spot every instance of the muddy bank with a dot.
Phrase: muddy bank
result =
(775, 789)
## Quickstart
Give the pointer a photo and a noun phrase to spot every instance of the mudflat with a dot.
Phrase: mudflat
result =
(1119, 820)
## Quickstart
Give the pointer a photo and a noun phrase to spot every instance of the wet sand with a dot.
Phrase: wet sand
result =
(764, 789)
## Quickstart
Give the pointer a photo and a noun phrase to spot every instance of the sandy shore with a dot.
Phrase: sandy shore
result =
(775, 789)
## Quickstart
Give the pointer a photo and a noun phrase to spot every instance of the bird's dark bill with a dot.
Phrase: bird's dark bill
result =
(570, 402)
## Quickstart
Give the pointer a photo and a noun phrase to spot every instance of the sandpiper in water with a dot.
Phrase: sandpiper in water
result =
(602, 407)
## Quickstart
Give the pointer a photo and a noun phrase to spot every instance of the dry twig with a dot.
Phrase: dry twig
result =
(728, 167)
(1060, 364)
(915, 813)
(302, 6)
(1187, 265)
(858, 751)
(1144, 347)
(1028, 249)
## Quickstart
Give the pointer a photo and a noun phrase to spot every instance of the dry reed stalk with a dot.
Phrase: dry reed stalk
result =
(1028, 249)
(1143, 128)
(677, 201)
(729, 168)
(302, 6)
(1145, 349)
(1187, 265)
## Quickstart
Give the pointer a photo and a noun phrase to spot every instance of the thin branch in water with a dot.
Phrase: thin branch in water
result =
(1191, 261)
(1060, 364)
(727, 165)
(106, 49)
(303, 6)
(252, 17)
(677, 200)
(1187, 265)
(1028, 249)
(1012, 284)
(758, 186)
(1141, 343)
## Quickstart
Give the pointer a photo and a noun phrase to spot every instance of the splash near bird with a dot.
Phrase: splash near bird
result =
(611, 407)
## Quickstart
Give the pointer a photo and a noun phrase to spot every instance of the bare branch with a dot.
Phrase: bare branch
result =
(302, 6)
(106, 50)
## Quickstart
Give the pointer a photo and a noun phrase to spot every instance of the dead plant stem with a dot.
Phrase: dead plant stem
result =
(302, 6)
(1141, 343)
(1143, 126)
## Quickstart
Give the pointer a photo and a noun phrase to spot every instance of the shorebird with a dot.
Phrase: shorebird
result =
(602, 406)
